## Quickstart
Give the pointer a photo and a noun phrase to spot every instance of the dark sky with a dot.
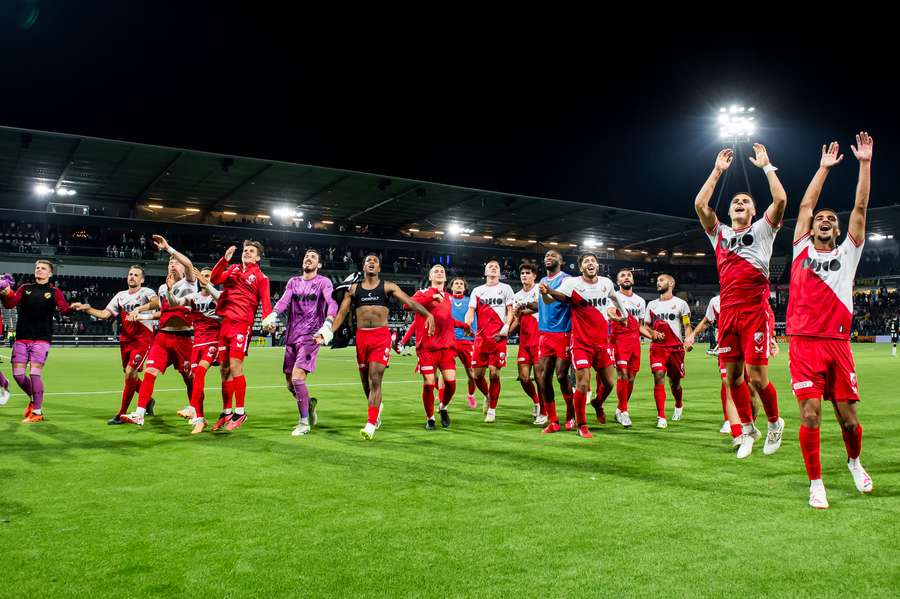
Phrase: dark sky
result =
(605, 116)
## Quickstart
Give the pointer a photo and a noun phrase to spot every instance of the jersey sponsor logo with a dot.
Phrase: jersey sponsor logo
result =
(370, 298)
(310, 297)
(665, 316)
(733, 243)
(821, 265)
(493, 301)
(634, 312)
(597, 301)
(802, 385)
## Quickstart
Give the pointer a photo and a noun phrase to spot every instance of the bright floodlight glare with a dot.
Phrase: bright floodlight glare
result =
(723, 118)
(876, 237)
(751, 109)
(42, 190)
(590, 243)
(733, 109)
(454, 229)
(723, 109)
(281, 212)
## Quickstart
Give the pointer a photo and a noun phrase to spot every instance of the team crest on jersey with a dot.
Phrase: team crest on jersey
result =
(46, 295)
(251, 278)
(28, 292)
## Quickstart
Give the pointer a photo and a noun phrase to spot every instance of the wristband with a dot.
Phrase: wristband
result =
(769, 168)
(171, 250)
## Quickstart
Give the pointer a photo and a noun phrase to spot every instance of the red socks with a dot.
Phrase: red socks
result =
(197, 390)
(740, 395)
(736, 430)
(659, 396)
(809, 447)
(550, 408)
(580, 402)
(622, 394)
(130, 387)
(227, 394)
(373, 415)
(494, 392)
(570, 409)
(449, 391)
(239, 385)
(428, 400)
(853, 441)
(769, 398)
(146, 390)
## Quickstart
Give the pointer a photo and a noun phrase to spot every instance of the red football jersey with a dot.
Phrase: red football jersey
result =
(244, 289)
(590, 301)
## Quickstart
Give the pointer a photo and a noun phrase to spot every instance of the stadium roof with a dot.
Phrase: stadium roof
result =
(190, 185)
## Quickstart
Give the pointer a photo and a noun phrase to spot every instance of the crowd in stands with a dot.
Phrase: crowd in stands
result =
(873, 311)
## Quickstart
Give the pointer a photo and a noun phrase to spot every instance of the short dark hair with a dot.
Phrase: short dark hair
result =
(314, 251)
(139, 267)
(366, 257)
(625, 269)
(527, 265)
(256, 244)
(48, 263)
(585, 255)
(745, 193)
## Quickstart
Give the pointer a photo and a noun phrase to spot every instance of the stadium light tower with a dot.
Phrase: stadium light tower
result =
(737, 126)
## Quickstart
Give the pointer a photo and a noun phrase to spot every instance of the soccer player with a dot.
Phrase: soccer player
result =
(311, 310)
(205, 349)
(710, 318)
(820, 315)
(525, 303)
(135, 337)
(437, 352)
(592, 299)
(493, 304)
(464, 341)
(244, 289)
(370, 299)
(743, 251)
(35, 305)
(554, 354)
(172, 343)
(670, 320)
(626, 341)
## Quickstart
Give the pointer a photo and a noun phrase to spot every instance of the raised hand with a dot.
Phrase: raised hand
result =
(762, 156)
(161, 242)
(830, 156)
(724, 160)
(200, 278)
(863, 148)
(230, 252)
(170, 281)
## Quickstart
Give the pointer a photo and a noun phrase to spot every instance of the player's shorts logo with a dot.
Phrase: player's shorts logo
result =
(137, 356)
(240, 337)
(758, 337)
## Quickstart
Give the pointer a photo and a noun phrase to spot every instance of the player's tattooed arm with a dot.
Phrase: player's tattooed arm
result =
(775, 211)
(863, 152)
(164, 246)
(831, 156)
(394, 291)
(701, 203)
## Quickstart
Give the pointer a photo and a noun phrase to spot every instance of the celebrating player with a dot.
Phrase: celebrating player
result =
(370, 299)
(743, 251)
(464, 341)
(626, 341)
(311, 310)
(670, 319)
(820, 315)
(554, 353)
(525, 303)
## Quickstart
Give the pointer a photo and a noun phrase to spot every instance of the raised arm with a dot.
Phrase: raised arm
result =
(775, 211)
(707, 215)
(394, 291)
(164, 246)
(863, 152)
(217, 276)
(830, 158)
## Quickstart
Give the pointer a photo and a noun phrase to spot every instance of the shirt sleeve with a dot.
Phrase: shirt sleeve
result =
(473, 299)
(710, 313)
(508, 296)
(218, 274)
(713, 234)
(331, 307)
(61, 302)
(648, 317)
(853, 249)
(285, 300)
(11, 300)
(567, 286)
(264, 294)
(113, 306)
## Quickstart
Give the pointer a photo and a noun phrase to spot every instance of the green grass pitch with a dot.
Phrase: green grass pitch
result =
(92, 510)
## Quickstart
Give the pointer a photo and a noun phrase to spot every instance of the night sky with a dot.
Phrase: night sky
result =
(617, 119)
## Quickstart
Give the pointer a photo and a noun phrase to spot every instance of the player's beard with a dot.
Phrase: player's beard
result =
(626, 287)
